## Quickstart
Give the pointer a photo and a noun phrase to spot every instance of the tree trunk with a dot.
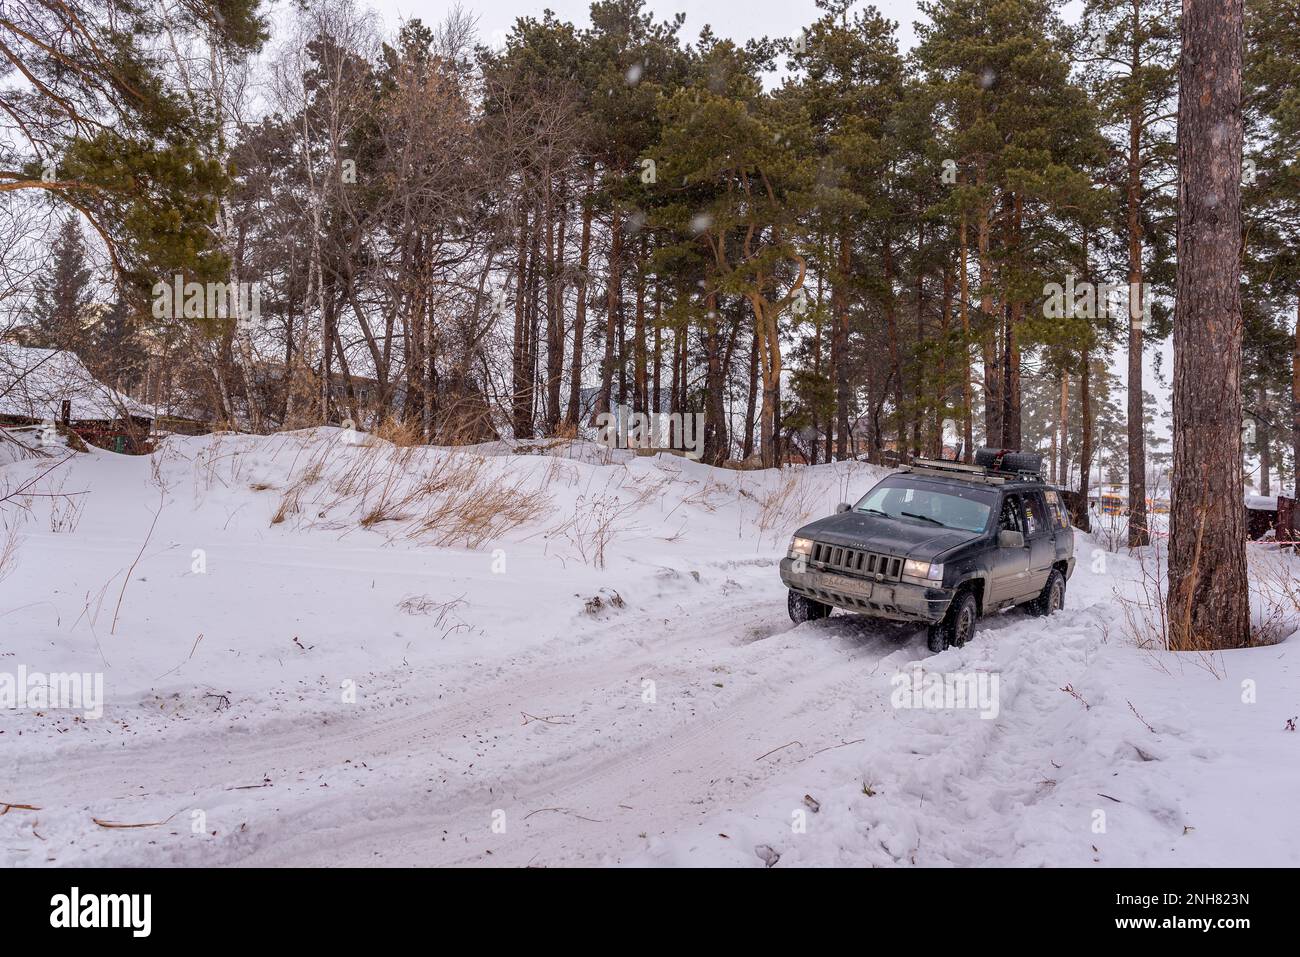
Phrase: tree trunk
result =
(895, 364)
(1208, 598)
(1011, 432)
(658, 349)
(1295, 404)
(1137, 459)
(1063, 426)
(967, 402)
(640, 388)
(612, 308)
(715, 420)
(580, 318)
(988, 342)
(751, 400)
(519, 370)
(1082, 518)
(839, 350)
(554, 311)
(1263, 443)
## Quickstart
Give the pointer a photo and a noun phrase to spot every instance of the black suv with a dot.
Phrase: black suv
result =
(941, 543)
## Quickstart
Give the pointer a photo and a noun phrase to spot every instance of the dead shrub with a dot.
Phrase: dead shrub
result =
(8, 548)
(593, 525)
(403, 433)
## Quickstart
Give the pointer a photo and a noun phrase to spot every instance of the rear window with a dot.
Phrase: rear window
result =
(1056, 505)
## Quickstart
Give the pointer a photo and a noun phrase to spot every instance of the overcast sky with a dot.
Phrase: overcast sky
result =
(739, 21)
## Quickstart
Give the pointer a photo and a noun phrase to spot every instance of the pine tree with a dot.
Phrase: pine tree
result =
(1024, 135)
(116, 355)
(1272, 186)
(61, 297)
(849, 77)
(1132, 51)
(734, 189)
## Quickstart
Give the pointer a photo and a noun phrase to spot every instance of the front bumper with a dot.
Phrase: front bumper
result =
(897, 601)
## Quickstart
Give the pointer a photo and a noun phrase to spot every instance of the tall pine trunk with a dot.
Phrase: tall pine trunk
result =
(613, 307)
(1208, 603)
(839, 349)
(988, 341)
(580, 315)
(1082, 518)
(1295, 404)
(967, 402)
(1137, 459)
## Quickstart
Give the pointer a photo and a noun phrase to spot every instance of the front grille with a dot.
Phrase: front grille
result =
(857, 562)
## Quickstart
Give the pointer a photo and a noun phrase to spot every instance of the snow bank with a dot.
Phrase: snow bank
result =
(318, 648)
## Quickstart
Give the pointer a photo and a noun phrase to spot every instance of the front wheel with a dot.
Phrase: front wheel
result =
(957, 626)
(802, 608)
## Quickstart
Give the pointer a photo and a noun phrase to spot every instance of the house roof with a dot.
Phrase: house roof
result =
(35, 382)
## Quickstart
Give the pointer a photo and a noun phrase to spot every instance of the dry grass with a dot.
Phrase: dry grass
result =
(1277, 588)
(594, 523)
(439, 496)
(401, 433)
(464, 502)
(1146, 612)
(8, 547)
(65, 513)
(787, 505)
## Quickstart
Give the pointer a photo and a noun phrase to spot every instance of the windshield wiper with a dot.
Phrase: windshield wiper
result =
(924, 518)
(876, 511)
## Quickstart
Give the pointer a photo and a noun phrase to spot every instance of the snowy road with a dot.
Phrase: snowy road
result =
(582, 758)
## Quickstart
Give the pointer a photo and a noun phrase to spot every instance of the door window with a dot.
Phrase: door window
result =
(1035, 520)
(1010, 519)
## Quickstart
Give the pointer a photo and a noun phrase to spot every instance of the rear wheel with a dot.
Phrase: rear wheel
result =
(1053, 595)
(957, 626)
(802, 608)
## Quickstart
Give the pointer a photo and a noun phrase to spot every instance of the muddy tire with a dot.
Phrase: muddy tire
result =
(802, 608)
(1052, 598)
(957, 627)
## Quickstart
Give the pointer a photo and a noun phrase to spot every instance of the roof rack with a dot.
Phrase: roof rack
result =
(971, 473)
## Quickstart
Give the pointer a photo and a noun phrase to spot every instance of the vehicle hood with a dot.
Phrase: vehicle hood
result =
(876, 533)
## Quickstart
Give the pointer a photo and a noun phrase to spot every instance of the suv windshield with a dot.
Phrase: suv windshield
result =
(906, 499)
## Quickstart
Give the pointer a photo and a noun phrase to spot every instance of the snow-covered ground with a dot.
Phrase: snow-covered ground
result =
(320, 649)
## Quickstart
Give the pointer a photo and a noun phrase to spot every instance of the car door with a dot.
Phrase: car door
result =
(1040, 537)
(1010, 566)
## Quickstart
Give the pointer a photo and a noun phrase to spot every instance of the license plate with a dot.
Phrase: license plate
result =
(850, 586)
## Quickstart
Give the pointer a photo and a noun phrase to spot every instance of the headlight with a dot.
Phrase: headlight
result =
(923, 571)
(801, 547)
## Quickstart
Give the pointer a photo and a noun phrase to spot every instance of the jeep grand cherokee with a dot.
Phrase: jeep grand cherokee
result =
(939, 543)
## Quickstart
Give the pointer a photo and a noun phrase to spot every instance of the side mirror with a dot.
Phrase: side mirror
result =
(1010, 539)
(843, 507)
